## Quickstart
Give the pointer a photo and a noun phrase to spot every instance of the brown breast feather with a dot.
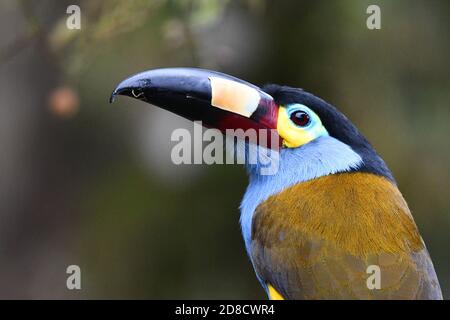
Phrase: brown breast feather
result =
(316, 239)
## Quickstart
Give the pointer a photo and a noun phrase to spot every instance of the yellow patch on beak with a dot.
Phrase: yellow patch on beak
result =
(233, 96)
(292, 135)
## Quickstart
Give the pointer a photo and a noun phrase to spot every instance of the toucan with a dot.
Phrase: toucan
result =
(330, 222)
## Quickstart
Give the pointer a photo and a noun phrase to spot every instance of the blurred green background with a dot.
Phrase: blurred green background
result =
(86, 183)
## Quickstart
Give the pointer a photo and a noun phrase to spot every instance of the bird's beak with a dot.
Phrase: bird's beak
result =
(218, 100)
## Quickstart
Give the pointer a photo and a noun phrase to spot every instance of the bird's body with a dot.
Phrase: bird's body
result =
(333, 210)
(317, 239)
(330, 215)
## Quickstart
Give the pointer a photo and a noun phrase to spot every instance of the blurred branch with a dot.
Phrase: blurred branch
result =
(16, 47)
(188, 32)
(33, 30)
(107, 20)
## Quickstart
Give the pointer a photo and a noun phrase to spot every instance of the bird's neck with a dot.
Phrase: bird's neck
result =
(321, 157)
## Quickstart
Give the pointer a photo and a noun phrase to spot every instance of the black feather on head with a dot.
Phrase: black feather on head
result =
(337, 125)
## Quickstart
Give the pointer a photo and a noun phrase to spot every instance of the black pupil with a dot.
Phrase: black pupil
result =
(300, 118)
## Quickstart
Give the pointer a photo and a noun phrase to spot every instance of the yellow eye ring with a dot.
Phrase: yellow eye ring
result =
(297, 125)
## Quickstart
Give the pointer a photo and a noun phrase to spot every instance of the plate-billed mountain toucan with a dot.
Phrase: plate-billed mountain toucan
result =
(330, 213)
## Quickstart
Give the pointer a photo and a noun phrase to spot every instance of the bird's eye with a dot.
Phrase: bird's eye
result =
(300, 118)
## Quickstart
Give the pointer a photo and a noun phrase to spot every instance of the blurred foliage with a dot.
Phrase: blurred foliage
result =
(102, 191)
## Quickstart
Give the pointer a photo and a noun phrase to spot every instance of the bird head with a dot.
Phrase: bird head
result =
(306, 127)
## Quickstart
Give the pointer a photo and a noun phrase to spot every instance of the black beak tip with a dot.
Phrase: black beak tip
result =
(133, 92)
(120, 91)
(113, 96)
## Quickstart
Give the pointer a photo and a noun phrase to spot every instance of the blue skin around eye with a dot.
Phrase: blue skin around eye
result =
(315, 127)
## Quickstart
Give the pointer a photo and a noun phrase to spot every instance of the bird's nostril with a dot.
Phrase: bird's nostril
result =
(138, 94)
(130, 92)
